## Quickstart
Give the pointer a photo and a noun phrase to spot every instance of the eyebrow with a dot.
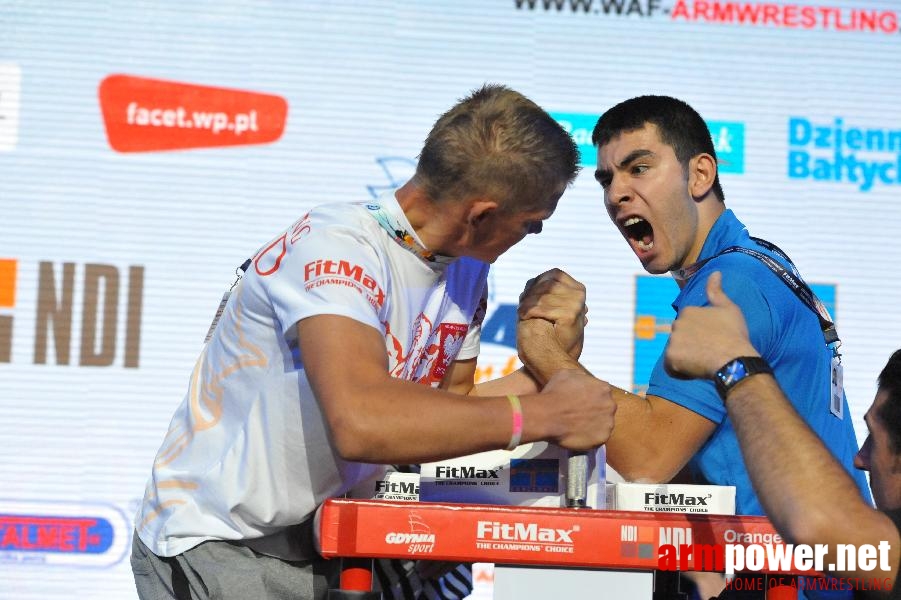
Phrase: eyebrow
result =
(631, 157)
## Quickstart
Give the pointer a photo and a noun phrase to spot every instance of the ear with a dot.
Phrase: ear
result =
(479, 210)
(701, 175)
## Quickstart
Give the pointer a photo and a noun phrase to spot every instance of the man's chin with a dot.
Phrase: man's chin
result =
(652, 267)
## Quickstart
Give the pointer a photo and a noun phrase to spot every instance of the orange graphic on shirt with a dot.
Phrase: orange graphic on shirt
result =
(205, 397)
(273, 255)
(206, 388)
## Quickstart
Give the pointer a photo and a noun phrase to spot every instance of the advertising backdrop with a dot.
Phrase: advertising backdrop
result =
(148, 148)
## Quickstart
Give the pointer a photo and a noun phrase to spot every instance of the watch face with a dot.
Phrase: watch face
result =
(736, 370)
(733, 372)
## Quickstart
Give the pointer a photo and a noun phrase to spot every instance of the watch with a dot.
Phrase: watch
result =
(737, 370)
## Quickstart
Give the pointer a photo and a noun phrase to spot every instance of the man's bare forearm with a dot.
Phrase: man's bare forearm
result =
(541, 352)
(653, 438)
(805, 492)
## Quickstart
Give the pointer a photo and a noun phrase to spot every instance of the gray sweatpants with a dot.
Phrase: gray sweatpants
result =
(228, 571)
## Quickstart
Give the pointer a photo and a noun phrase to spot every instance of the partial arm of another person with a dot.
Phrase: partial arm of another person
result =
(805, 492)
(376, 418)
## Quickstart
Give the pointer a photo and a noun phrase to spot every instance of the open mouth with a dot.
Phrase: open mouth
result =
(640, 231)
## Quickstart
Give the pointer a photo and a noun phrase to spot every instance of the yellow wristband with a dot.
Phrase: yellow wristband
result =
(516, 436)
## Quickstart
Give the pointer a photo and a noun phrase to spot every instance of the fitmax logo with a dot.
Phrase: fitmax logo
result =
(523, 532)
(396, 487)
(676, 499)
(333, 272)
(466, 473)
(102, 288)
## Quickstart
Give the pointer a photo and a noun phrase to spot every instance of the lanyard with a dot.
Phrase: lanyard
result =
(404, 238)
(393, 226)
(791, 278)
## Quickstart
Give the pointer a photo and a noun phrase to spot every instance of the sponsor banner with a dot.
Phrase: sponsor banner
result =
(728, 140)
(147, 115)
(839, 151)
(8, 270)
(398, 486)
(669, 497)
(654, 316)
(528, 535)
(729, 143)
(62, 534)
(532, 474)
(84, 314)
(10, 85)
(580, 126)
(388, 485)
(416, 538)
(778, 15)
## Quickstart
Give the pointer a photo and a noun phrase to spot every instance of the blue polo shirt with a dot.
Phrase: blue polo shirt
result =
(787, 334)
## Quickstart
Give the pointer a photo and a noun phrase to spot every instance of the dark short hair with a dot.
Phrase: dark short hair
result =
(890, 412)
(497, 142)
(678, 124)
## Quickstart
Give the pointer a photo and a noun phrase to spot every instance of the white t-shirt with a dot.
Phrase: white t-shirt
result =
(248, 452)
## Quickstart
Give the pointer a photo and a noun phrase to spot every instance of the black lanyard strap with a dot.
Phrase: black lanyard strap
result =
(792, 278)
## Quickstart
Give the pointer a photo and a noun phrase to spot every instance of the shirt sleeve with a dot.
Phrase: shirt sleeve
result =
(472, 343)
(700, 395)
(331, 270)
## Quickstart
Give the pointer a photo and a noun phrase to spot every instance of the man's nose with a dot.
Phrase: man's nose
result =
(618, 192)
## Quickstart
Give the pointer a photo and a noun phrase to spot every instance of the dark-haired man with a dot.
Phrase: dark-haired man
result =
(658, 170)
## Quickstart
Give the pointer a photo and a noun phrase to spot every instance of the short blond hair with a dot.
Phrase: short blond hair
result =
(497, 143)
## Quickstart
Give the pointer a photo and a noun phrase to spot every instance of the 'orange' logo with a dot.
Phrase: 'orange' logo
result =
(146, 115)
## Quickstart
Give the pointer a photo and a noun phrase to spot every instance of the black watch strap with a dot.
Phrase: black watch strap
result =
(737, 370)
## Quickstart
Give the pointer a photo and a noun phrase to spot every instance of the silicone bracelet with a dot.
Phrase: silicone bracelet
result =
(517, 421)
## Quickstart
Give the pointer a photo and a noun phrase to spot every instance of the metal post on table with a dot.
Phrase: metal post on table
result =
(577, 480)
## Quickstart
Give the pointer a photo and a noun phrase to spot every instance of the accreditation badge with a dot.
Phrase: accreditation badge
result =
(836, 399)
